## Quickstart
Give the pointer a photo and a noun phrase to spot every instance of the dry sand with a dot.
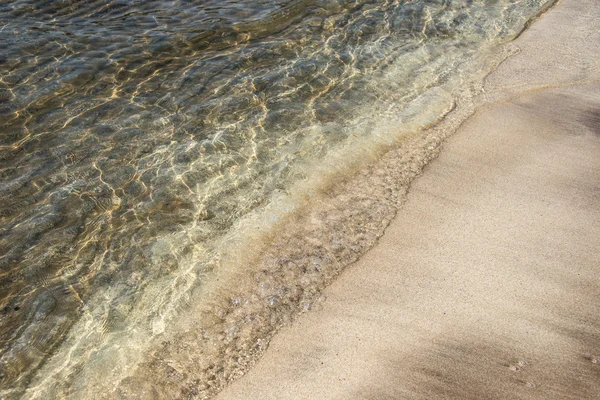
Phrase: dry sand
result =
(487, 283)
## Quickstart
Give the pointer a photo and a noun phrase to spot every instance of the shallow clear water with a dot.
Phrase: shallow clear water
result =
(137, 136)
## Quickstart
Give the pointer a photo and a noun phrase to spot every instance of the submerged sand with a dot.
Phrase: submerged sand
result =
(487, 283)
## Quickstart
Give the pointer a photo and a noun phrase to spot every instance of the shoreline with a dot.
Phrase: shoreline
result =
(273, 275)
(379, 334)
(239, 312)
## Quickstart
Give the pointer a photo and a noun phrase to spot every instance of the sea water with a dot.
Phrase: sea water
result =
(174, 175)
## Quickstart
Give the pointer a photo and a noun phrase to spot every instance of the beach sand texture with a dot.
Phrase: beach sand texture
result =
(487, 283)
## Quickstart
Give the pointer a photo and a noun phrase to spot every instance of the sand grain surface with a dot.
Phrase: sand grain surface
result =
(487, 283)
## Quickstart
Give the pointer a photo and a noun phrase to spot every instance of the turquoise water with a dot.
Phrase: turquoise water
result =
(142, 141)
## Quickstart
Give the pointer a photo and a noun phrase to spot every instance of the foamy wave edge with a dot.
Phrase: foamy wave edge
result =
(324, 224)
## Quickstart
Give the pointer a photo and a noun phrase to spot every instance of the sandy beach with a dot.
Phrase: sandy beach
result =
(487, 283)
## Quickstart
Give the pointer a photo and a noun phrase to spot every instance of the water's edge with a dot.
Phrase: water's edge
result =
(429, 140)
(334, 222)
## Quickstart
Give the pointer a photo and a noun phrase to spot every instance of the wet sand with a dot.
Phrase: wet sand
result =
(487, 283)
